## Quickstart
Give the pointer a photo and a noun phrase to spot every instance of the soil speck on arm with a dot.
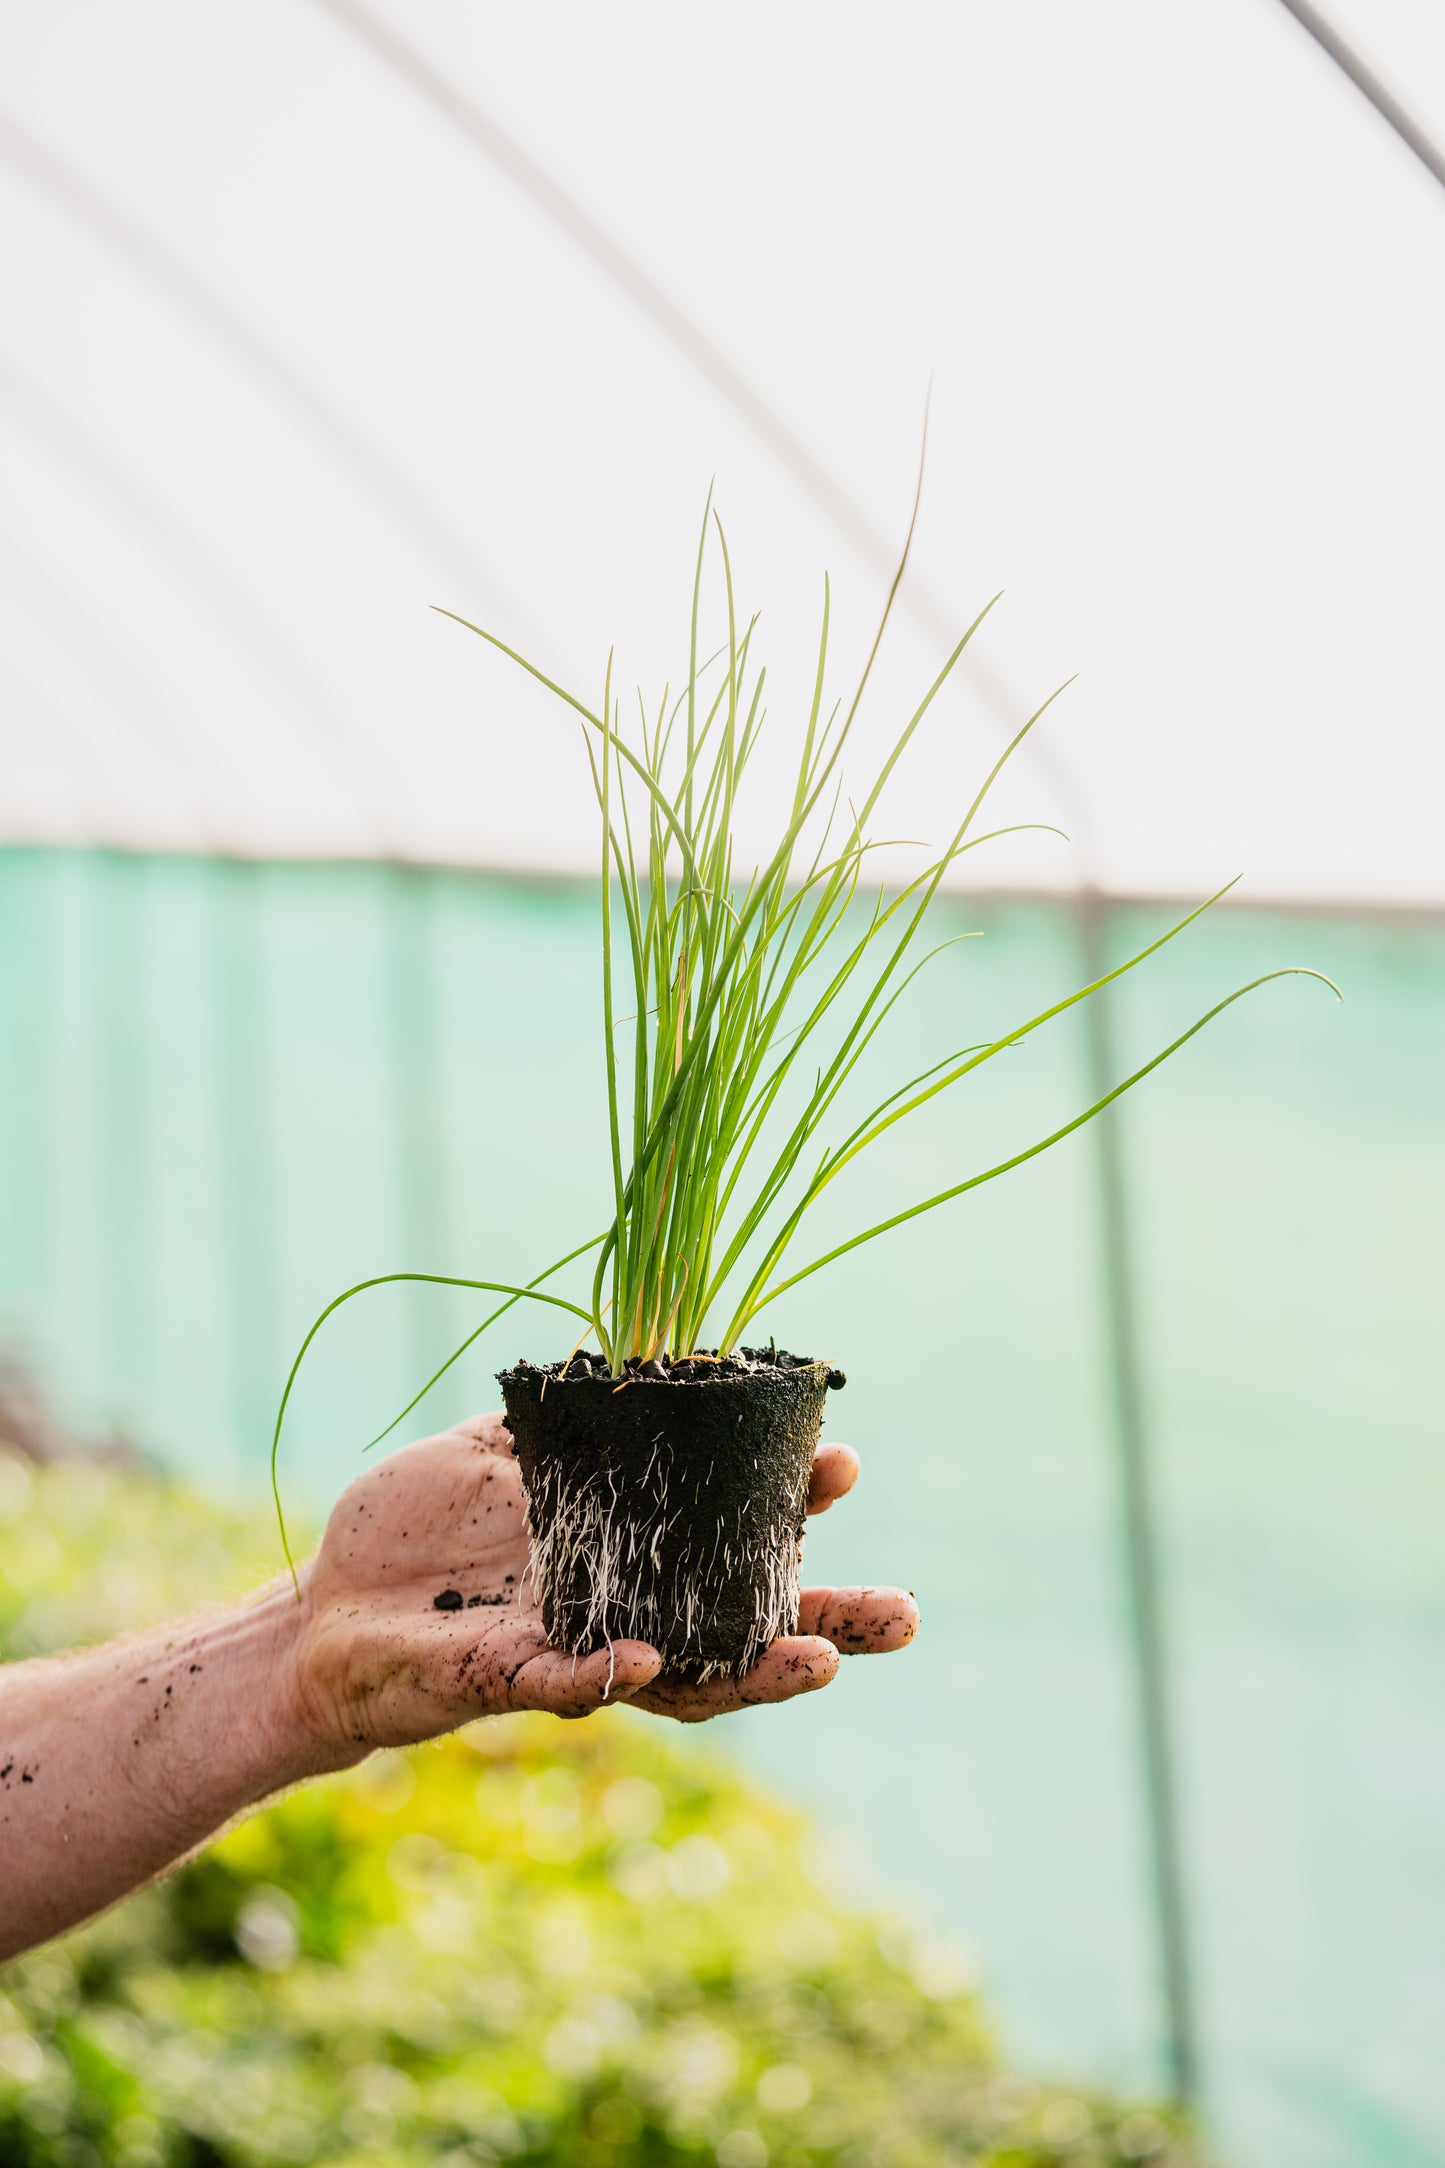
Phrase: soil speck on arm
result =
(450, 1599)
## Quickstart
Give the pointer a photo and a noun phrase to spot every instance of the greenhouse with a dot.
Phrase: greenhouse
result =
(336, 323)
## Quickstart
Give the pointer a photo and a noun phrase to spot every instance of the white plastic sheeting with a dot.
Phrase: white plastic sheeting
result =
(289, 354)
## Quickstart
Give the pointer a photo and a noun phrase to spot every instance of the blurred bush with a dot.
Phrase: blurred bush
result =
(539, 1942)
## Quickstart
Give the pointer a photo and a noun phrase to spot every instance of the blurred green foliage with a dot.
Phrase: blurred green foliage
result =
(539, 1942)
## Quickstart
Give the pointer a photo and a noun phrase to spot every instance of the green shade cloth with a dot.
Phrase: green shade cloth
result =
(227, 1090)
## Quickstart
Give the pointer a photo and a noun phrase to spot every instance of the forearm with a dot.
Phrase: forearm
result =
(117, 1762)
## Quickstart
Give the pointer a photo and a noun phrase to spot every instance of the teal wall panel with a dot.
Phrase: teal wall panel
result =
(227, 1090)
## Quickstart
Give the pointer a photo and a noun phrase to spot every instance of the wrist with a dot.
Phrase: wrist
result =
(207, 1718)
(257, 1732)
(303, 1732)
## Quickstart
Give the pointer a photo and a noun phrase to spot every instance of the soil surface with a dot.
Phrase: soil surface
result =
(701, 1368)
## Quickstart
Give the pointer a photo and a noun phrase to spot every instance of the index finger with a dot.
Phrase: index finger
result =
(835, 1471)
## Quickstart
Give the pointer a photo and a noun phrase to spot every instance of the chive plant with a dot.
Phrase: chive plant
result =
(737, 1003)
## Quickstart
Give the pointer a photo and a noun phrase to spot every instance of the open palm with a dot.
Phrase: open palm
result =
(383, 1664)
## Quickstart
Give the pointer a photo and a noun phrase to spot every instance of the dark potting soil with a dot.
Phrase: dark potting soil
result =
(698, 1369)
(667, 1505)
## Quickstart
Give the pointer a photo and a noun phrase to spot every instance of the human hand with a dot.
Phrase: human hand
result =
(377, 1663)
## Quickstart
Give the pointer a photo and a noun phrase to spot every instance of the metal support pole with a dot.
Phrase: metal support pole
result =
(120, 1100)
(1141, 1544)
(1365, 80)
(414, 1029)
(30, 1155)
(248, 1153)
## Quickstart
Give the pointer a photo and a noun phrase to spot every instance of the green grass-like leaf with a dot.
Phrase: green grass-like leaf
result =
(752, 995)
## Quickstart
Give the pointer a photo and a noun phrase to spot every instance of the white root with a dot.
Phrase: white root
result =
(598, 1568)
